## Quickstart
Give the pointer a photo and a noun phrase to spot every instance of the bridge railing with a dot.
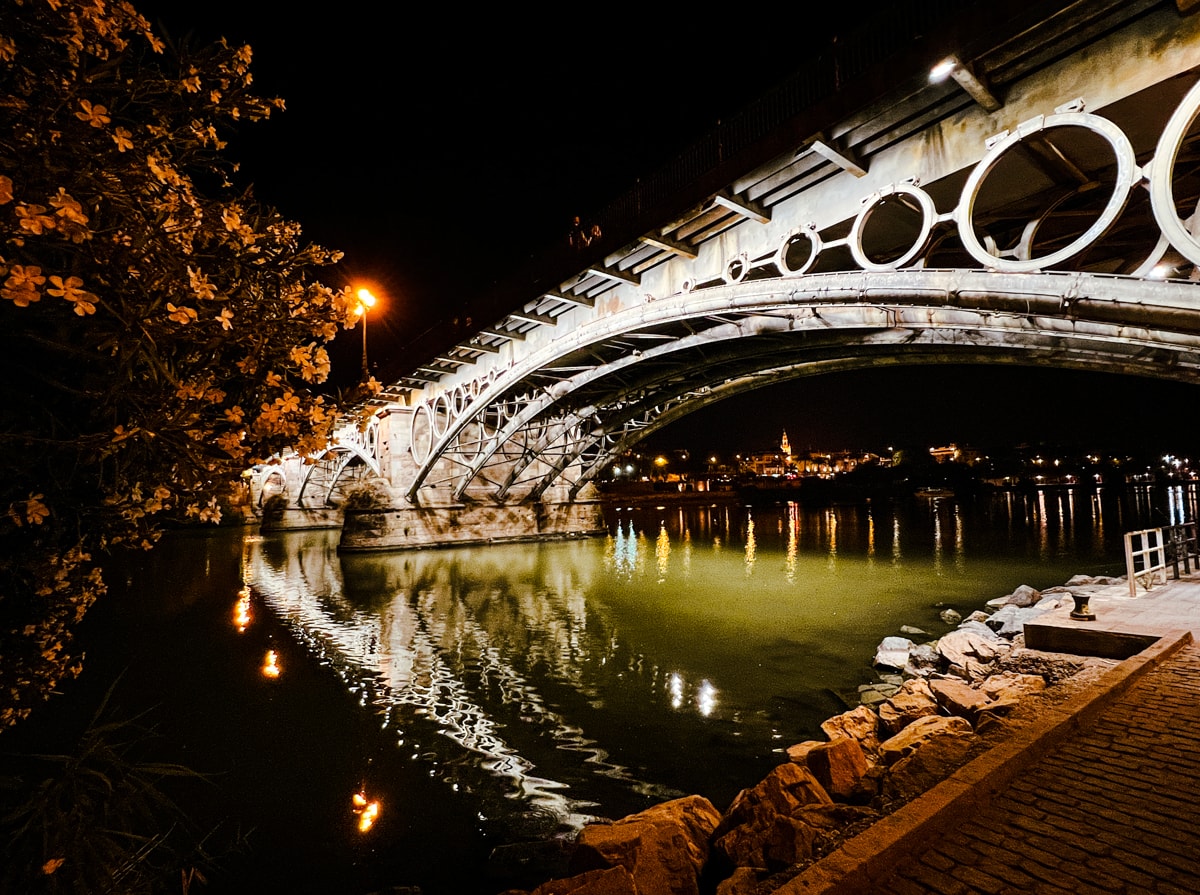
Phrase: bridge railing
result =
(1149, 553)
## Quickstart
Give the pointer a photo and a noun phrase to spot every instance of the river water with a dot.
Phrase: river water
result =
(504, 694)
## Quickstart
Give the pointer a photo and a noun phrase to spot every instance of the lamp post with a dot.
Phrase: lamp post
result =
(366, 301)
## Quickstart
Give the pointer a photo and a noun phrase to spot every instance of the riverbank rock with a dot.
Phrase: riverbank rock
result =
(840, 767)
(959, 698)
(610, 881)
(783, 820)
(1012, 685)
(664, 847)
(892, 652)
(923, 660)
(935, 760)
(950, 616)
(1094, 580)
(914, 700)
(971, 645)
(1022, 597)
(861, 724)
(764, 827)
(920, 733)
(1009, 621)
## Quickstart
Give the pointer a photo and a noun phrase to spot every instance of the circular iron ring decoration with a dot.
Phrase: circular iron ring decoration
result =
(420, 432)
(1127, 175)
(929, 217)
(814, 249)
(1162, 191)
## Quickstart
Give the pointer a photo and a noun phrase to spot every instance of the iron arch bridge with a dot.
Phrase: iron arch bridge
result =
(563, 414)
(994, 218)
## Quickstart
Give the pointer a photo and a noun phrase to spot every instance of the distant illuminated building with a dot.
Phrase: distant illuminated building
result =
(954, 454)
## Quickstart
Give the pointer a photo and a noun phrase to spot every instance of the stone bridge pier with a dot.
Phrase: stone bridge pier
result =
(362, 485)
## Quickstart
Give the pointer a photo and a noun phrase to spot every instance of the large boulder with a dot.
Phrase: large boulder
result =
(1012, 685)
(785, 790)
(926, 767)
(861, 724)
(1009, 621)
(839, 767)
(1022, 596)
(780, 821)
(959, 698)
(914, 700)
(920, 733)
(923, 660)
(664, 847)
(973, 643)
(608, 881)
(798, 754)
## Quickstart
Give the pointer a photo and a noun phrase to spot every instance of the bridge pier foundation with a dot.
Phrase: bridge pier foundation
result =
(461, 525)
(300, 518)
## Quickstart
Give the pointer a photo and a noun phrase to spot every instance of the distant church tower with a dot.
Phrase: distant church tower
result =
(784, 447)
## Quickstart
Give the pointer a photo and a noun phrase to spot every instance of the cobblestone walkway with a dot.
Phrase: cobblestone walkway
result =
(1117, 811)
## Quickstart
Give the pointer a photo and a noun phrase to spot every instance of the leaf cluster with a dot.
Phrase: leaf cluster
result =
(160, 331)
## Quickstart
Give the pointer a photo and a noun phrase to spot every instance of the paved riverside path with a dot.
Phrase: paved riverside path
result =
(1116, 810)
(1104, 800)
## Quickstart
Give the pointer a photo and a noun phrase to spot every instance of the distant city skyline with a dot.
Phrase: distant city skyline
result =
(979, 405)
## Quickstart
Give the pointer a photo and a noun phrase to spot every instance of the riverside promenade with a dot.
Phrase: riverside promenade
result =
(1099, 794)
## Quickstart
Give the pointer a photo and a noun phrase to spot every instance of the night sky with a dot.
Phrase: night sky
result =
(439, 152)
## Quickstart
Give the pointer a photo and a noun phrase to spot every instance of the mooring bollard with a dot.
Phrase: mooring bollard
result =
(1082, 611)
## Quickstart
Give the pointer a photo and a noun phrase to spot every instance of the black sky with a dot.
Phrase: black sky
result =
(439, 150)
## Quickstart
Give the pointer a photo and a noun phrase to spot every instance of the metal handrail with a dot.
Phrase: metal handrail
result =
(1150, 552)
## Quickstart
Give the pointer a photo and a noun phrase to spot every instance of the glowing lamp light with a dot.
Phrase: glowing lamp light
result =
(366, 301)
(366, 810)
(270, 666)
(942, 70)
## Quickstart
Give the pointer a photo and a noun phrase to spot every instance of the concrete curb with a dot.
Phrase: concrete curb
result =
(859, 862)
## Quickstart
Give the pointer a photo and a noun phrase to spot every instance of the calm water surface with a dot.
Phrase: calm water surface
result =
(486, 696)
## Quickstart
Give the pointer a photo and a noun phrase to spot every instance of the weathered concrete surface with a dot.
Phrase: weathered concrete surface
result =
(460, 526)
(1124, 625)
(302, 519)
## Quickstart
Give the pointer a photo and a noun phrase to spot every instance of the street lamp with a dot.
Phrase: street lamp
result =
(366, 301)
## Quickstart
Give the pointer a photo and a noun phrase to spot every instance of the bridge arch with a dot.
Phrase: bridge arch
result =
(350, 460)
(612, 381)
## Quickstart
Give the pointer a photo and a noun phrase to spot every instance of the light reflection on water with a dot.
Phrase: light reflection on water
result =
(679, 654)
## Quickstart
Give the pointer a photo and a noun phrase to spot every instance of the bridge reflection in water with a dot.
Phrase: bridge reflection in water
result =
(553, 682)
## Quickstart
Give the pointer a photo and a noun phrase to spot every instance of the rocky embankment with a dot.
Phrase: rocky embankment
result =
(937, 704)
